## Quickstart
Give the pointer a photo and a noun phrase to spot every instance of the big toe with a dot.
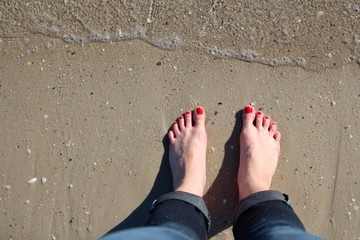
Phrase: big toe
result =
(248, 115)
(199, 116)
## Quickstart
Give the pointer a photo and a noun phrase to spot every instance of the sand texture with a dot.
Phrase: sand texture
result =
(92, 120)
(88, 90)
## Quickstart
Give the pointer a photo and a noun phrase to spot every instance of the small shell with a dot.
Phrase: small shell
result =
(43, 179)
(33, 180)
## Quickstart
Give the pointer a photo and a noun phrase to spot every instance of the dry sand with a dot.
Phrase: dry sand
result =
(92, 120)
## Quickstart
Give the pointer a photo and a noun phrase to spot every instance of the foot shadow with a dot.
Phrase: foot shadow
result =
(222, 196)
(162, 184)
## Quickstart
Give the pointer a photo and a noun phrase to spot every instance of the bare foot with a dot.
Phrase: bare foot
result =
(188, 152)
(259, 152)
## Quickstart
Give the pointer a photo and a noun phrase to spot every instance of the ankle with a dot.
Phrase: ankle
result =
(247, 188)
(190, 189)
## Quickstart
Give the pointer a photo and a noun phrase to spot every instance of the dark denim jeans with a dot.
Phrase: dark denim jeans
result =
(183, 216)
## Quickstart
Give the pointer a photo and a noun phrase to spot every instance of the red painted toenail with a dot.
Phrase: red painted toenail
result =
(259, 113)
(175, 122)
(181, 117)
(248, 109)
(188, 112)
(199, 111)
(267, 117)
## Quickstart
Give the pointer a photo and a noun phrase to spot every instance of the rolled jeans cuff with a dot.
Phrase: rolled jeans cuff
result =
(189, 198)
(260, 197)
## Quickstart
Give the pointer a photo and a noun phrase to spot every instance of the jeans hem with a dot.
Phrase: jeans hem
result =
(260, 197)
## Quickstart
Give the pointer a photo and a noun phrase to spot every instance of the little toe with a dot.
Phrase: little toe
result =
(181, 122)
(188, 120)
(277, 136)
(199, 116)
(248, 116)
(266, 122)
(273, 128)
(171, 136)
(175, 129)
(259, 119)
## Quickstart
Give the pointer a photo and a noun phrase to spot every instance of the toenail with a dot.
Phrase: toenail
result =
(199, 110)
(188, 112)
(272, 123)
(259, 113)
(267, 117)
(175, 122)
(181, 117)
(248, 109)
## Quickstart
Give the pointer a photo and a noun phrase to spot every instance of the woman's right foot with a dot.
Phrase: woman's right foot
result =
(259, 152)
(187, 153)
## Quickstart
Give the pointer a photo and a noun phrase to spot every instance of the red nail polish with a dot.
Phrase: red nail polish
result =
(181, 117)
(175, 122)
(188, 112)
(267, 117)
(199, 111)
(259, 113)
(248, 109)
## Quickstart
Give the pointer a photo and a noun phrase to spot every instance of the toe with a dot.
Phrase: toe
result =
(259, 119)
(266, 122)
(171, 136)
(273, 128)
(199, 116)
(188, 119)
(181, 122)
(175, 129)
(277, 136)
(248, 116)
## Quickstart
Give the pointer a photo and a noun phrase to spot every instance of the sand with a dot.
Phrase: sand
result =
(92, 120)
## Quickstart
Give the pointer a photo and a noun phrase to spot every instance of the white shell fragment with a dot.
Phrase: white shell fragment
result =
(33, 180)
(43, 179)
(28, 150)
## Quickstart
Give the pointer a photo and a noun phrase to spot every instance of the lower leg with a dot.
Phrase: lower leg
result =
(184, 209)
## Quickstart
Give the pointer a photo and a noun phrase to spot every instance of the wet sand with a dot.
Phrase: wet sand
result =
(92, 120)
(313, 34)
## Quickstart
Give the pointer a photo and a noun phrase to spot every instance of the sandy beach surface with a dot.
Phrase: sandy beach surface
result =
(83, 123)
(92, 120)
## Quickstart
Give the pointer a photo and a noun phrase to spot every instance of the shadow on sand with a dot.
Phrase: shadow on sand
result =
(221, 198)
(162, 185)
